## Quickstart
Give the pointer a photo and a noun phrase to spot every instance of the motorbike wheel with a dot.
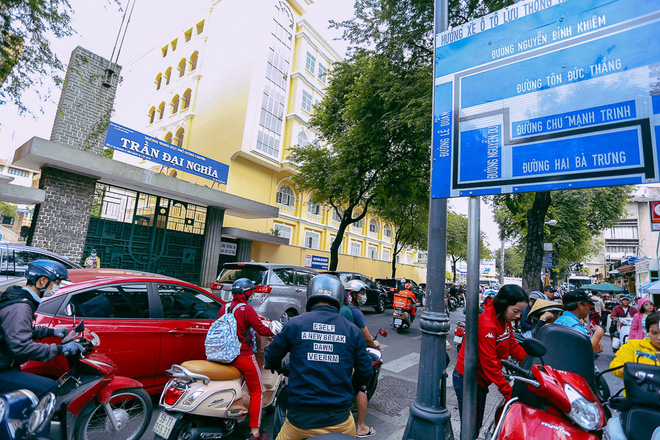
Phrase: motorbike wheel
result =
(400, 329)
(132, 408)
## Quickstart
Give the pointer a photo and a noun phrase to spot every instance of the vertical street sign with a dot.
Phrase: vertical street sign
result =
(655, 215)
(555, 94)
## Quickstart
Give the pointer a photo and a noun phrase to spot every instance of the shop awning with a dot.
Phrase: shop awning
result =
(628, 268)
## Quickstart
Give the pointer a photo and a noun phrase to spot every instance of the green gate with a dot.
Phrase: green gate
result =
(139, 231)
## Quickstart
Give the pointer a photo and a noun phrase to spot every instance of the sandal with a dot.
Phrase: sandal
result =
(371, 431)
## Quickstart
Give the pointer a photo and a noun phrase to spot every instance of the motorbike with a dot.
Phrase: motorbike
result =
(557, 404)
(452, 303)
(92, 400)
(206, 399)
(459, 334)
(376, 363)
(621, 336)
(401, 319)
(23, 416)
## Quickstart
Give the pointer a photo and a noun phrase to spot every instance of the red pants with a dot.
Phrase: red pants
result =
(248, 366)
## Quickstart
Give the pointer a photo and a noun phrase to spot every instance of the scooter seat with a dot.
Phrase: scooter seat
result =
(213, 370)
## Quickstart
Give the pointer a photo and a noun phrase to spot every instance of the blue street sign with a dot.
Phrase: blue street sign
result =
(547, 260)
(317, 262)
(546, 95)
(138, 144)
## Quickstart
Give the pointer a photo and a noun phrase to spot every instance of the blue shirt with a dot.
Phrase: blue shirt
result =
(358, 316)
(569, 319)
(34, 295)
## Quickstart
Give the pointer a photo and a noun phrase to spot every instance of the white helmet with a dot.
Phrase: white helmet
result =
(355, 287)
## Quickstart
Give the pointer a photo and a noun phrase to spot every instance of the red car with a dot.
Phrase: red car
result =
(146, 322)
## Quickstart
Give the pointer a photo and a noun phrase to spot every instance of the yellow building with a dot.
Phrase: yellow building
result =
(237, 83)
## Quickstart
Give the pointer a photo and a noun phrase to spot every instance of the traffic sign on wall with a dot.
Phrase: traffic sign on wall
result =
(548, 94)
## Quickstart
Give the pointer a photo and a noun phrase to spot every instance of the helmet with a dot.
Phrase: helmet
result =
(325, 288)
(408, 286)
(606, 296)
(537, 295)
(93, 253)
(244, 286)
(355, 287)
(50, 269)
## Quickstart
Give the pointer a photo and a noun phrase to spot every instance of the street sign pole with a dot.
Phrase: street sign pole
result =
(429, 418)
(468, 429)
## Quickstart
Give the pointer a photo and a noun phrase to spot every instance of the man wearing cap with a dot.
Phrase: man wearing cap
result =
(624, 310)
(577, 305)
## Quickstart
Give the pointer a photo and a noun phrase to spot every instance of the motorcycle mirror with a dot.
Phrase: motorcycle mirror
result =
(70, 310)
(80, 327)
(534, 347)
(382, 332)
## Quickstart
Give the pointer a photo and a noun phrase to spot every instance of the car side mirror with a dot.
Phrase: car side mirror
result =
(534, 347)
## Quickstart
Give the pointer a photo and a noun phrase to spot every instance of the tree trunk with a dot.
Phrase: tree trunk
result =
(453, 268)
(334, 248)
(394, 266)
(534, 250)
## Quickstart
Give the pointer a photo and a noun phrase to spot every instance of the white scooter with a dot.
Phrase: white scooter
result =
(207, 400)
(621, 336)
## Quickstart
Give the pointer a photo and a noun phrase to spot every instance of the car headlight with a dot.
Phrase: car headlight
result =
(41, 414)
(583, 412)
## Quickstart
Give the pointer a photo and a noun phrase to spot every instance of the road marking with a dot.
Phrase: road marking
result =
(398, 365)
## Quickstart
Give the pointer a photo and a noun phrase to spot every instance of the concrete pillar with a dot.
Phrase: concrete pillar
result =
(212, 239)
(82, 118)
(244, 250)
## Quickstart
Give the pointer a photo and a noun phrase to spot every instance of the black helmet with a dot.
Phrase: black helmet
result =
(50, 269)
(325, 288)
(242, 285)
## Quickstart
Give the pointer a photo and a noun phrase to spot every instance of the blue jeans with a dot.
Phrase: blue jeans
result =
(12, 380)
(457, 379)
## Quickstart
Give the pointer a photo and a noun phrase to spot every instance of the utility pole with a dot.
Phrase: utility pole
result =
(429, 418)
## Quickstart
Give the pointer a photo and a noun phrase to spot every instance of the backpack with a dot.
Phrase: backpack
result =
(222, 343)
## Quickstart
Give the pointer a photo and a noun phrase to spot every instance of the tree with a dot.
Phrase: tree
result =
(457, 240)
(365, 139)
(8, 209)
(581, 215)
(513, 262)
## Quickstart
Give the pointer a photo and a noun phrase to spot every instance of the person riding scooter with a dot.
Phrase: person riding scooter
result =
(406, 299)
(247, 319)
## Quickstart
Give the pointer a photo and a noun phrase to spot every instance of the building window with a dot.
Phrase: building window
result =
(312, 239)
(285, 196)
(359, 224)
(408, 258)
(174, 45)
(168, 75)
(306, 101)
(179, 137)
(168, 137)
(269, 136)
(332, 240)
(182, 67)
(323, 73)
(164, 51)
(283, 230)
(387, 232)
(356, 248)
(193, 60)
(373, 226)
(152, 115)
(310, 62)
(188, 35)
(200, 27)
(313, 207)
(386, 254)
(186, 99)
(303, 139)
(175, 104)
(398, 257)
(159, 79)
(17, 172)
(337, 217)
(161, 111)
(373, 252)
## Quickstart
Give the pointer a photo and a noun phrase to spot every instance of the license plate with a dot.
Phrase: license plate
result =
(458, 339)
(397, 322)
(164, 425)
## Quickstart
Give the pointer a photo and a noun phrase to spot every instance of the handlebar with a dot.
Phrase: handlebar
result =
(516, 368)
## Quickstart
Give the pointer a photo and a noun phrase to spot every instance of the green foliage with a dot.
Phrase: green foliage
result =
(457, 240)
(513, 261)
(8, 209)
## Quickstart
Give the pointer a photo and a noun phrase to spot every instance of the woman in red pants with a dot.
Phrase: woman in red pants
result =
(246, 319)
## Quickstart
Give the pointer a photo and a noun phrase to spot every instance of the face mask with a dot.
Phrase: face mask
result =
(362, 299)
(52, 291)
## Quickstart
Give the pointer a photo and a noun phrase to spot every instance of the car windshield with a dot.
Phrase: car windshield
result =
(386, 282)
(231, 274)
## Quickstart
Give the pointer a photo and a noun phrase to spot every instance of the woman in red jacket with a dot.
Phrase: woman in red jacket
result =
(246, 319)
(496, 342)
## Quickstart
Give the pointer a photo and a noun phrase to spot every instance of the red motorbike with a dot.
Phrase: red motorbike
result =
(459, 334)
(92, 401)
(556, 404)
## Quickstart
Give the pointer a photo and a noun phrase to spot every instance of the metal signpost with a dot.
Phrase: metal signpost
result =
(541, 95)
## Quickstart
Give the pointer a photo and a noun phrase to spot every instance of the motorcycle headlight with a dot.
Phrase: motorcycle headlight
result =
(41, 414)
(583, 412)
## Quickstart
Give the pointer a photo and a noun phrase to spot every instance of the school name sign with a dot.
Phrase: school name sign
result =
(138, 144)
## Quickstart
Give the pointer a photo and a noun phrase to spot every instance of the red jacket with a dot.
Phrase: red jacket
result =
(246, 317)
(496, 342)
(618, 312)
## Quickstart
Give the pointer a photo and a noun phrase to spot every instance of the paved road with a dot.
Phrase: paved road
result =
(397, 388)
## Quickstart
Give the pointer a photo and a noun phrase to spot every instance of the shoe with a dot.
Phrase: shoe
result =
(371, 431)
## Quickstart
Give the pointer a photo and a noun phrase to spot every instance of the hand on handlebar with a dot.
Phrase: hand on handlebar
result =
(517, 369)
(72, 349)
(61, 332)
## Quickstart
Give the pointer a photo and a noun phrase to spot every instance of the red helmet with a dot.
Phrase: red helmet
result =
(408, 286)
